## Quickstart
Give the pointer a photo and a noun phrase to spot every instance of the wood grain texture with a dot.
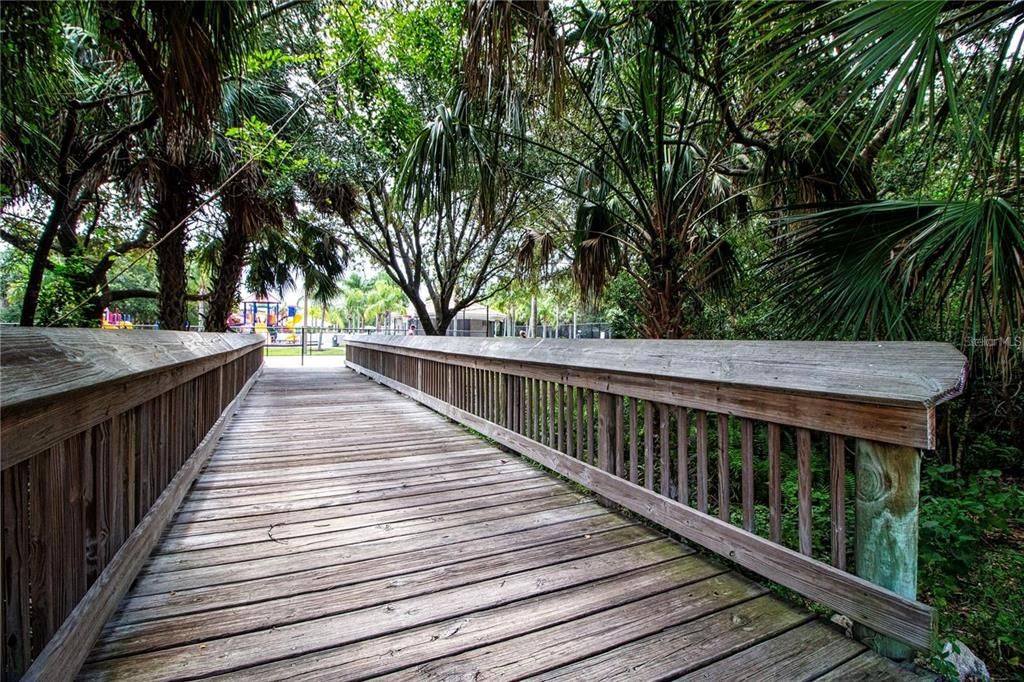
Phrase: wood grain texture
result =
(439, 580)
(664, 448)
(683, 454)
(886, 392)
(803, 465)
(837, 484)
(747, 472)
(648, 445)
(723, 467)
(885, 373)
(888, 487)
(702, 461)
(69, 646)
(774, 483)
(861, 600)
(60, 382)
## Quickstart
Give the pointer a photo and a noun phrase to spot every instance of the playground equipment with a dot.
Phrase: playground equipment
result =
(262, 311)
(288, 326)
(115, 319)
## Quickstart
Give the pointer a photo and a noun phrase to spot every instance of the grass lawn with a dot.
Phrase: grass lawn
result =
(294, 351)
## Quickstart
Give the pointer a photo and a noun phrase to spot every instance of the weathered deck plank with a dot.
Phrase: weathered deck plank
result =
(342, 531)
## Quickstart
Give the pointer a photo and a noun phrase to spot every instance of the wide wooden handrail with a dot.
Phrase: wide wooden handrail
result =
(102, 433)
(649, 424)
(57, 382)
(888, 391)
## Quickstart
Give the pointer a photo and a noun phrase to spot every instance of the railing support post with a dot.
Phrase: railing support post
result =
(888, 485)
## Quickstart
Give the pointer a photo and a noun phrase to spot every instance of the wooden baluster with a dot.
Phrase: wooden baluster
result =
(723, 467)
(524, 411)
(547, 413)
(620, 465)
(42, 549)
(511, 402)
(552, 417)
(449, 396)
(579, 424)
(481, 393)
(522, 390)
(803, 463)
(774, 483)
(475, 403)
(527, 409)
(702, 461)
(531, 411)
(591, 424)
(888, 485)
(497, 393)
(683, 454)
(648, 445)
(605, 431)
(747, 448)
(663, 443)
(457, 386)
(561, 418)
(837, 480)
(538, 410)
(17, 614)
(634, 467)
(570, 420)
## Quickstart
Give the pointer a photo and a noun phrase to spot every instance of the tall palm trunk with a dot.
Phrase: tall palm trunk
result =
(228, 276)
(173, 205)
(665, 302)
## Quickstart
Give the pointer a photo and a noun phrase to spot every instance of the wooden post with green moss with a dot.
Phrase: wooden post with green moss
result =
(888, 484)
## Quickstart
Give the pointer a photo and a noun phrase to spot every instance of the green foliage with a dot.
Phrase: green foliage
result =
(59, 297)
(621, 304)
(958, 520)
(972, 562)
(258, 141)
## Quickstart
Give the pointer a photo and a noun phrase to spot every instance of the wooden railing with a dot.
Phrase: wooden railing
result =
(663, 428)
(102, 434)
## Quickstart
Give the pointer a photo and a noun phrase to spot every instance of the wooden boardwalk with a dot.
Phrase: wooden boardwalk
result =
(342, 531)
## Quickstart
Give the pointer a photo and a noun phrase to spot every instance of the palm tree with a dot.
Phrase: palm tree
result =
(947, 81)
(182, 52)
(660, 176)
(309, 253)
(257, 193)
(383, 300)
(354, 290)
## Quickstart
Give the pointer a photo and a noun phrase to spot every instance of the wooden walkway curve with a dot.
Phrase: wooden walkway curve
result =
(343, 531)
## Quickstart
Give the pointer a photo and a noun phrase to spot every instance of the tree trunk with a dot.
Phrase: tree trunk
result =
(228, 277)
(35, 274)
(174, 203)
(665, 301)
(533, 317)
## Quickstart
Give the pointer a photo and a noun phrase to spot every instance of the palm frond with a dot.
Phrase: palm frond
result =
(861, 270)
